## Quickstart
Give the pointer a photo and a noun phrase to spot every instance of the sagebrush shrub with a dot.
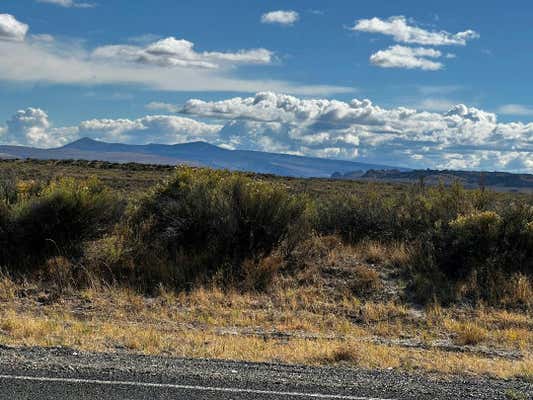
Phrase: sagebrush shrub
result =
(204, 222)
(55, 221)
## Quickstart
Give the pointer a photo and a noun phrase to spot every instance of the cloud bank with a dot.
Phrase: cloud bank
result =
(460, 138)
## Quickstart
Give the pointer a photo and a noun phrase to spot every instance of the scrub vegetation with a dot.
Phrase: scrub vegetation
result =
(100, 256)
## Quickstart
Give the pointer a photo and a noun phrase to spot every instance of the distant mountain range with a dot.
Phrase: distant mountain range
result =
(196, 154)
(501, 181)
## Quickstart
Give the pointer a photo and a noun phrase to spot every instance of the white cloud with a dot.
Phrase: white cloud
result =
(11, 29)
(516, 109)
(402, 32)
(461, 137)
(31, 127)
(167, 64)
(67, 3)
(282, 17)
(166, 129)
(407, 57)
(171, 52)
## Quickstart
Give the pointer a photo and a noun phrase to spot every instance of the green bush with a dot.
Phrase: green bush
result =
(5, 222)
(469, 240)
(206, 222)
(478, 253)
(55, 221)
(403, 216)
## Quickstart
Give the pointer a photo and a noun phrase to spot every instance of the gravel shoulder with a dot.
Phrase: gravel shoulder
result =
(68, 363)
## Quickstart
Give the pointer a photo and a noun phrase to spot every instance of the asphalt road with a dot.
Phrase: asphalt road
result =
(35, 373)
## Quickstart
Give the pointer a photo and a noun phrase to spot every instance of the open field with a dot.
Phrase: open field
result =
(323, 292)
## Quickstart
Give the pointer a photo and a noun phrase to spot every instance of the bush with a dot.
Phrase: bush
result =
(477, 253)
(55, 221)
(468, 242)
(206, 222)
(5, 222)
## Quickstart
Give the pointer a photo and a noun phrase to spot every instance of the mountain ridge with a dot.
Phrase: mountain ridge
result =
(197, 153)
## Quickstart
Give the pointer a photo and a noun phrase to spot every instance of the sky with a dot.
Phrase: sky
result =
(413, 83)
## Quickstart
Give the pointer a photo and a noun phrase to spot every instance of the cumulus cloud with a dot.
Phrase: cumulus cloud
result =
(31, 127)
(11, 29)
(171, 52)
(399, 29)
(462, 137)
(411, 57)
(166, 129)
(407, 57)
(67, 3)
(281, 17)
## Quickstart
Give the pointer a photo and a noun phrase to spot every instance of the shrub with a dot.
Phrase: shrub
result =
(5, 222)
(469, 242)
(477, 253)
(8, 188)
(354, 217)
(55, 221)
(205, 222)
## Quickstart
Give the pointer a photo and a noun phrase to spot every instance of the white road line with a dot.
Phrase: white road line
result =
(184, 387)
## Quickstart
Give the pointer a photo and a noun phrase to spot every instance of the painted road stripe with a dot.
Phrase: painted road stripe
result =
(184, 387)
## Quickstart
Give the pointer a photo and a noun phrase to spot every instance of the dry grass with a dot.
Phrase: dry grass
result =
(468, 333)
(316, 328)
(92, 335)
(8, 289)
(366, 282)
(310, 315)
(388, 254)
(520, 291)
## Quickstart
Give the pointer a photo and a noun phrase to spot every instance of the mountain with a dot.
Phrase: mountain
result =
(194, 153)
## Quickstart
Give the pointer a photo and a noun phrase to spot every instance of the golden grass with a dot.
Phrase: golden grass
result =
(319, 329)
(8, 289)
(468, 333)
(92, 335)
(389, 254)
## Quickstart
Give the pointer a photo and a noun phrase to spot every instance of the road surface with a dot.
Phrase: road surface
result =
(36, 373)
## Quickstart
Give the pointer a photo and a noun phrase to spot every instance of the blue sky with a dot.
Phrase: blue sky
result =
(114, 69)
